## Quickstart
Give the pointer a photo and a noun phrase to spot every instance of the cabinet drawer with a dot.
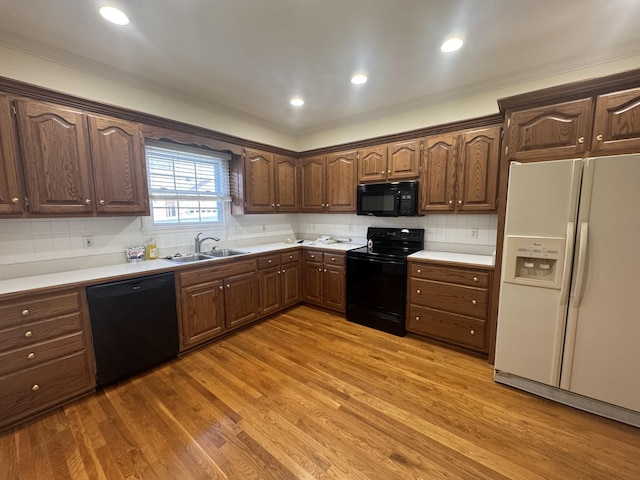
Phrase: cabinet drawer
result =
(269, 261)
(452, 298)
(41, 352)
(313, 256)
(334, 259)
(449, 275)
(19, 311)
(32, 390)
(290, 257)
(216, 272)
(458, 329)
(29, 333)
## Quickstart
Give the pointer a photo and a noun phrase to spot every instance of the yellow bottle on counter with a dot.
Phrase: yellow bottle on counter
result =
(152, 250)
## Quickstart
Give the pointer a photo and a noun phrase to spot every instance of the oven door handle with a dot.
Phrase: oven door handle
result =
(376, 260)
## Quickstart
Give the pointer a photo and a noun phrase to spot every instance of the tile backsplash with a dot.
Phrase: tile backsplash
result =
(31, 246)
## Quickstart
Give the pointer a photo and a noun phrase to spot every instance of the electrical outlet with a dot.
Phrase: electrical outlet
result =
(87, 241)
(474, 233)
(264, 227)
(349, 228)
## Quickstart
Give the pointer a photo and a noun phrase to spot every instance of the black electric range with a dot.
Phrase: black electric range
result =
(377, 278)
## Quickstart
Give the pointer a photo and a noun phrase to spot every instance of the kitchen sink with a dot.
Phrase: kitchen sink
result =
(201, 257)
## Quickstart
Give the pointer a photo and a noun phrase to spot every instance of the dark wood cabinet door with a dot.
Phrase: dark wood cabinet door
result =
(119, 169)
(341, 182)
(372, 164)
(313, 184)
(287, 189)
(55, 152)
(202, 313)
(549, 133)
(403, 161)
(259, 182)
(616, 128)
(438, 173)
(270, 290)
(241, 299)
(291, 284)
(335, 288)
(477, 178)
(313, 283)
(11, 194)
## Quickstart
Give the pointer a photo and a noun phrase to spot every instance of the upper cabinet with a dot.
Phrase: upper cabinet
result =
(616, 127)
(389, 163)
(271, 183)
(329, 184)
(460, 171)
(75, 163)
(12, 199)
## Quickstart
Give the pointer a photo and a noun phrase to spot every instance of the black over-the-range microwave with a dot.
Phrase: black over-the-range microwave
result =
(397, 199)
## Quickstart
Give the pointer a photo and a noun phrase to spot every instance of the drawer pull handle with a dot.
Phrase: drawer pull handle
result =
(25, 312)
(418, 291)
(475, 279)
(474, 302)
(312, 256)
(419, 271)
(333, 259)
(472, 332)
(28, 333)
(35, 388)
(31, 356)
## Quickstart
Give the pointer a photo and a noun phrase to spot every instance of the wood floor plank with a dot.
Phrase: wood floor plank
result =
(308, 395)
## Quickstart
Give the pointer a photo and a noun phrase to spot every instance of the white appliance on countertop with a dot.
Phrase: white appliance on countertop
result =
(569, 312)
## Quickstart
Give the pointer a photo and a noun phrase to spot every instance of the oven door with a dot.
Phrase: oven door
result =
(376, 293)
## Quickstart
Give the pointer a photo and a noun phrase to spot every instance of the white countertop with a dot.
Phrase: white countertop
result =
(108, 273)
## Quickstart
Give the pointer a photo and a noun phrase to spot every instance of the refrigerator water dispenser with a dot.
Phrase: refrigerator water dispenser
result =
(535, 261)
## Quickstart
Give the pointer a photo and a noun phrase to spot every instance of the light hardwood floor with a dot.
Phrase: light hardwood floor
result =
(308, 395)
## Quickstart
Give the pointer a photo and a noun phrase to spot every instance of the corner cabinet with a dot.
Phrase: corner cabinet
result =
(271, 183)
(76, 163)
(12, 199)
(460, 171)
(329, 183)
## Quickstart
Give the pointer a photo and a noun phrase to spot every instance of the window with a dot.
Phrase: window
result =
(186, 185)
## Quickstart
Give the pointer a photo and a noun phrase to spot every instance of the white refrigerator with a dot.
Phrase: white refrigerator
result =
(569, 311)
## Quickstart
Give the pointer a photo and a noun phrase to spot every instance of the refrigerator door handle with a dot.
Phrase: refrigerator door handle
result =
(576, 295)
(566, 268)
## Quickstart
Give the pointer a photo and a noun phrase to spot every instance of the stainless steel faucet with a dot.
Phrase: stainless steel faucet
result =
(200, 240)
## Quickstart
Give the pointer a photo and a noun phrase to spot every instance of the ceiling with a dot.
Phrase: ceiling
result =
(247, 58)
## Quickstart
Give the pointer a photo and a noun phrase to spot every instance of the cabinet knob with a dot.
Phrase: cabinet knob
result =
(475, 279)
(28, 333)
(333, 259)
(228, 285)
(581, 140)
(269, 261)
(417, 318)
(88, 201)
(25, 312)
(15, 200)
(474, 302)
(35, 388)
(388, 171)
(323, 205)
(325, 270)
(312, 256)
(278, 205)
(472, 332)
(599, 138)
(319, 269)
(382, 172)
(273, 205)
(419, 271)
(290, 257)
(282, 271)
(450, 202)
(418, 291)
(31, 356)
(278, 272)
(102, 202)
(459, 202)
(220, 287)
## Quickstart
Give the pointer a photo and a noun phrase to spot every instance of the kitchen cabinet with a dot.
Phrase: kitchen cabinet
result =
(271, 183)
(549, 133)
(12, 201)
(279, 275)
(448, 304)
(389, 163)
(460, 171)
(616, 127)
(75, 163)
(324, 279)
(215, 299)
(46, 356)
(329, 183)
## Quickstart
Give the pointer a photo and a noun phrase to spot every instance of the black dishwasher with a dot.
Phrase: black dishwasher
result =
(134, 325)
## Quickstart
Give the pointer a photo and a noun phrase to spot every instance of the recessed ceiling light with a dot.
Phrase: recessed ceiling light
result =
(359, 79)
(452, 44)
(297, 102)
(114, 15)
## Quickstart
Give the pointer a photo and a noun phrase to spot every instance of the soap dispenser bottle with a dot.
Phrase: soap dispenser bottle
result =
(152, 250)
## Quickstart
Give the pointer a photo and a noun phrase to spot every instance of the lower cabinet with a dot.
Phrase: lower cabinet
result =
(215, 299)
(325, 279)
(279, 275)
(448, 304)
(46, 355)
